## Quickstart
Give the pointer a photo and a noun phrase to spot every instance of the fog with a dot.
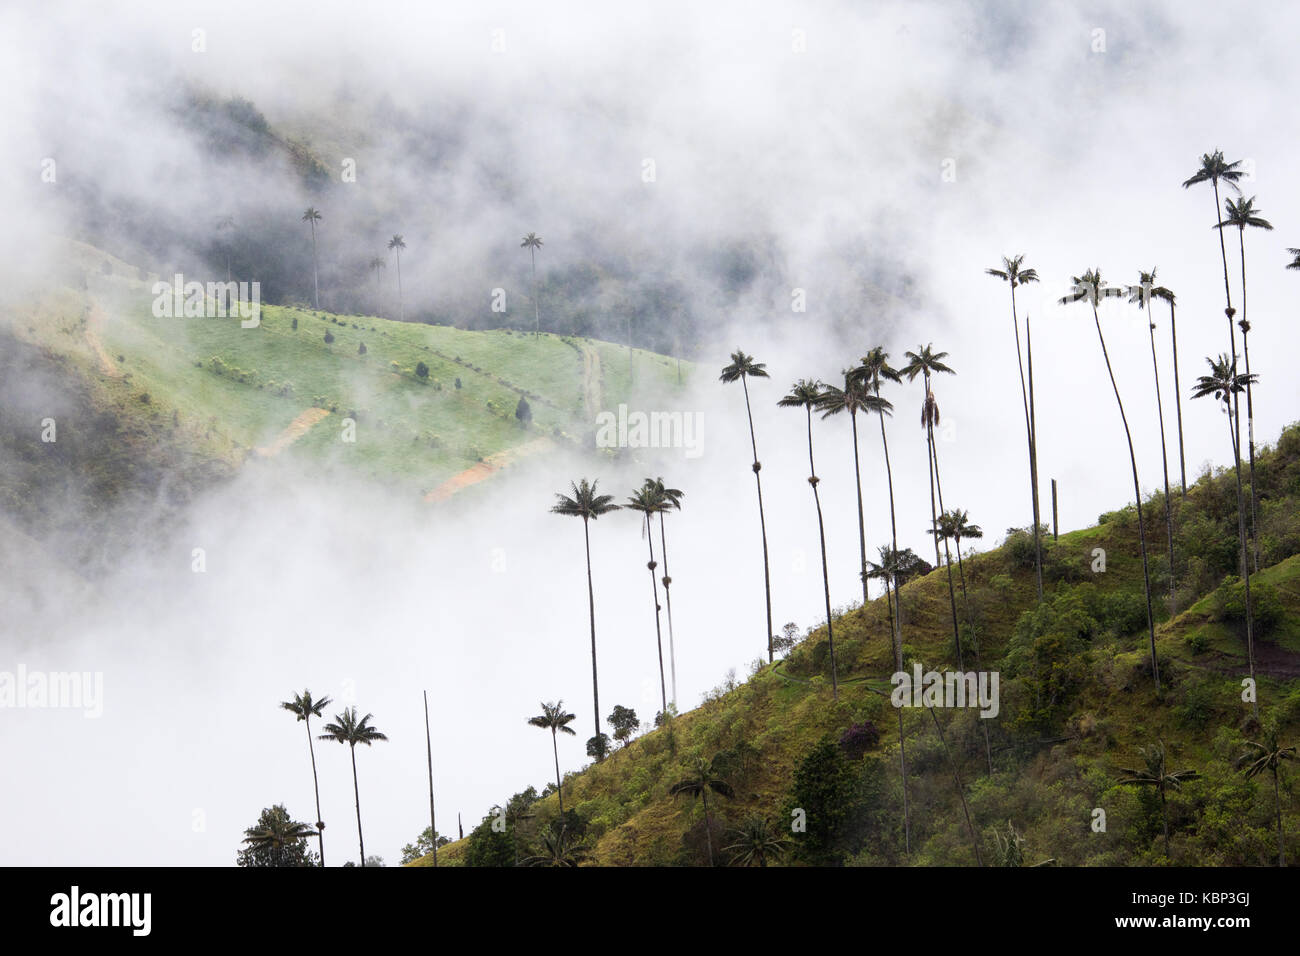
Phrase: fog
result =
(880, 169)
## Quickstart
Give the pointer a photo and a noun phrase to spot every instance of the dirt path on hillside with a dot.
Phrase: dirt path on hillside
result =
(486, 468)
(591, 381)
(95, 322)
(295, 430)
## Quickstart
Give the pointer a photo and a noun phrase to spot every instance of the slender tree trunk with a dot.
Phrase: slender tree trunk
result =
(1250, 407)
(1245, 564)
(428, 744)
(952, 597)
(934, 515)
(1137, 497)
(1033, 459)
(1277, 805)
(356, 789)
(826, 581)
(401, 305)
(1029, 437)
(555, 749)
(537, 315)
(1232, 337)
(315, 269)
(896, 629)
(1164, 458)
(961, 791)
(1164, 813)
(668, 600)
(320, 825)
(862, 529)
(659, 637)
(762, 522)
(591, 604)
(1178, 400)
(970, 624)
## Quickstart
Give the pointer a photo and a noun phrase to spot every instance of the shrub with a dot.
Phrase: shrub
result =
(329, 338)
(858, 739)
(1228, 605)
(458, 380)
(361, 349)
(421, 370)
(295, 323)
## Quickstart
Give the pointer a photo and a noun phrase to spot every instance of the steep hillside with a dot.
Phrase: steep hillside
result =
(1076, 703)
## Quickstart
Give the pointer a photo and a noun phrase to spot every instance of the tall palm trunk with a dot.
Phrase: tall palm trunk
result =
(708, 824)
(1232, 334)
(826, 580)
(1164, 813)
(591, 605)
(659, 637)
(862, 528)
(1164, 458)
(762, 522)
(555, 749)
(1178, 401)
(320, 829)
(315, 271)
(537, 315)
(952, 596)
(970, 626)
(1241, 534)
(1137, 497)
(356, 789)
(1033, 446)
(401, 307)
(1250, 406)
(668, 600)
(961, 791)
(896, 630)
(934, 515)
(1277, 805)
(428, 744)
(1029, 437)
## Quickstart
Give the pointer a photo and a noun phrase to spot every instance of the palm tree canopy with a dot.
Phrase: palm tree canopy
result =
(1265, 755)
(1295, 262)
(756, 840)
(1241, 214)
(377, 263)
(875, 366)
(1156, 772)
(804, 393)
(396, 243)
(925, 362)
(742, 365)
(347, 729)
(702, 779)
(305, 706)
(956, 524)
(1213, 169)
(311, 215)
(671, 498)
(1147, 289)
(585, 503)
(531, 241)
(1223, 381)
(854, 397)
(1089, 287)
(554, 718)
(647, 499)
(279, 833)
(559, 849)
(1012, 272)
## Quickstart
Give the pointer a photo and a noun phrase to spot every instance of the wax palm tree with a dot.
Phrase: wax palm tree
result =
(559, 848)
(397, 244)
(1224, 383)
(703, 778)
(1268, 755)
(312, 216)
(1166, 295)
(955, 525)
(874, 368)
(305, 707)
(1156, 773)
(532, 242)
(223, 224)
(587, 505)
(755, 842)
(807, 394)
(961, 789)
(1214, 168)
(1014, 274)
(278, 833)
(854, 397)
(742, 368)
(346, 729)
(649, 502)
(1295, 259)
(554, 718)
(1142, 293)
(671, 500)
(377, 265)
(1242, 214)
(926, 363)
(887, 570)
(1091, 288)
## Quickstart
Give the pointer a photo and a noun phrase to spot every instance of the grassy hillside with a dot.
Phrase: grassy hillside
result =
(1077, 702)
(227, 393)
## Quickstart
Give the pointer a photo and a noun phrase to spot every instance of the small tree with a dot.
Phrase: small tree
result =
(598, 747)
(523, 412)
(295, 323)
(422, 846)
(277, 840)
(625, 723)
(457, 383)
(361, 349)
(421, 370)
